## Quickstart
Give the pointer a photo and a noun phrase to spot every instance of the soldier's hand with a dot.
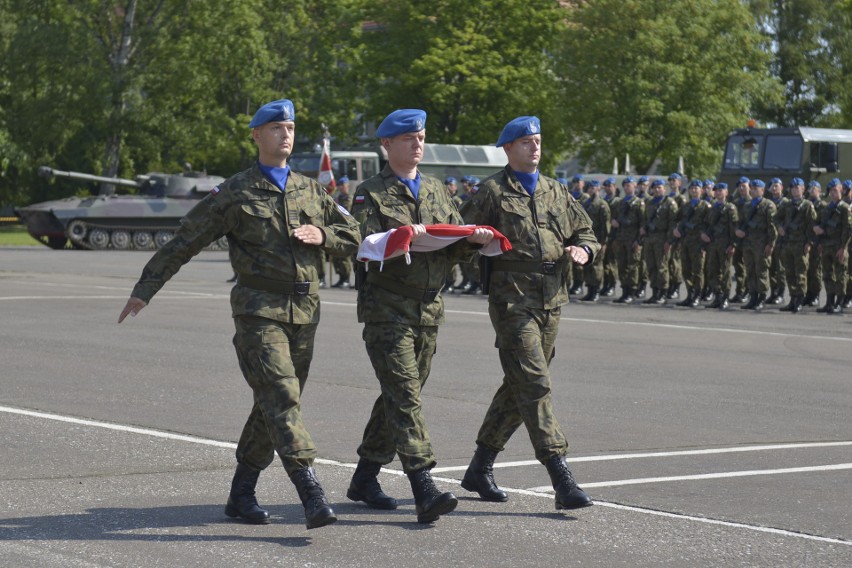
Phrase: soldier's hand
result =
(636, 246)
(740, 233)
(481, 236)
(577, 254)
(841, 255)
(781, 231)
(767, 251)
(807, 248)
(310, 235)
(730, 251)
(419, 231)
(677, 233)
(705, 237)
(615, 223)
(131, 308)
(666, 248)
(818, 230)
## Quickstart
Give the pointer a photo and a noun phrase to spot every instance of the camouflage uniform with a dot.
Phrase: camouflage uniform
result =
(630, 213)
(674, 258)
(610, 264)
(593, 272)
(738, 263)
(401, 308)
(660, 219)
(274, 303)
(343, 265)
(835, 221)
(759, 226)
(797, 219)
(815, 262)
(720, 223)
(776, 267)
(692, 248)
(527, 290)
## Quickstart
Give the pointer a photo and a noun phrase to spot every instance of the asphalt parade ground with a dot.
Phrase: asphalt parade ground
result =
(706, 438)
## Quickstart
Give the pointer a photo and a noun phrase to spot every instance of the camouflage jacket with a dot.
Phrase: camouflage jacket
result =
(597, 208)
(383, 203)
(797, 219)
(258, 220)
(721, 223)
(660, 219)
(835, 222)
(758, 222)
(344, 201)
(693, 220)
(538, 228)
(629, 214)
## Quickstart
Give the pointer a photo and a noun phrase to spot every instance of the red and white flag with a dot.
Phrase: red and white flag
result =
(326, 175)
(397, 242)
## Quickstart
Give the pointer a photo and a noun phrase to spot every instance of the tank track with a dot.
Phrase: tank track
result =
(97, 236)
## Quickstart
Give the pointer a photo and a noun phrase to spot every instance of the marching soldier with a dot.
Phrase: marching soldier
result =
(654, 235)
(757, 233)
(741, 200)
(814, 260)
(675, 264)
(833, 236)
(598, 211)
(628, 214)
(776, 267)
(719, 235)
(688, 233)
(578, 192)
(795, 221)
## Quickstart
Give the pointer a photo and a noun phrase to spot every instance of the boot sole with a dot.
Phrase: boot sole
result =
(234, 514)
(560, 506)
(472, 488)
(329, 519)
(439, 509)
(353, 495)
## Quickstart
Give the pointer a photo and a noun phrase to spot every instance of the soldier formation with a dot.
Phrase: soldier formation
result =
(709, 245)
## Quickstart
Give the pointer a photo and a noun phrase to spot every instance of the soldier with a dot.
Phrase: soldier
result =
(757, 233)
(627, 216)
(578, 192)
(833, 235)
(814, 261)
(401, 308)
(688, 233)
(610, 266)
(795, 221)
(654, 235)
(719, 235)
(741, 201)
(598, 211)
(343, 266)
(707, 195)
(547, 229)
(452, 189)
(776, 267)
(643, 188)
(847, 197)
(277, 223)
(675, 265)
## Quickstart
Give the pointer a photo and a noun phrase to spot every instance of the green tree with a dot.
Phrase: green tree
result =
(473, 66)
(808, 39)
(661, 79)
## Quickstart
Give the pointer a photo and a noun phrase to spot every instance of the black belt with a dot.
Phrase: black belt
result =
(533, 266)
(427, 296)
(278, 286)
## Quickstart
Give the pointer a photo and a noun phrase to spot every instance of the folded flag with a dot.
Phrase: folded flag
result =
(397, 242)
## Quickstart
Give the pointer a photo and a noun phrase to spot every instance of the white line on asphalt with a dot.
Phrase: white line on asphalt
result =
(612, 457)
(231, 445)
(641, 480)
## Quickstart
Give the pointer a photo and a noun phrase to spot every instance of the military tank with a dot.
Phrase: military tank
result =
(144, 221)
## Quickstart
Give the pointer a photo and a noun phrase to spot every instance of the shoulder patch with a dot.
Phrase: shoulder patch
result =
(360, 198)
(215, 190)
(343, 210)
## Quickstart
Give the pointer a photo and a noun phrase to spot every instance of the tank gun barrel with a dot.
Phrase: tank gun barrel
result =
(46, 171)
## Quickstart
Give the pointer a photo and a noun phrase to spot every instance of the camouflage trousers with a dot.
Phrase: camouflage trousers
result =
(738, 264)
(402, 358)
(777, 278)
(628, 261)
(833, 271)
(718, 268)
(275, 358)
(610, 266)
(814, 272)
(657, 262)
(756, 267)
(593, 273)
(343, 267)
(795, 262)
(692, 258)
(526, 340)
(675, 265)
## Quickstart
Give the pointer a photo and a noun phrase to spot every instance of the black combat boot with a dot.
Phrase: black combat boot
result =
(568, 493)
(798, 301)
(828, 308)
(789, 306)
(673, 292)
(640, 290)
(626, 296)
(608, 288)
(751, 303)
(760, 303)
(479, 476)
(242, 502)
(318, 512)
(474, 288)
(686, 302)
(717, 300)
(707, 294)
(811, 299)
(365, 486)
(723, 302)
(592, 295)
(776, 297)
(738, 298)
(575, 289)
(429, 502)
(847, 301)
(341, 283)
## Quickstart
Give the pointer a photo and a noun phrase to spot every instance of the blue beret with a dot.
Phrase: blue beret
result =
(402, 121)
(775, 180)
(276, 111)
(643, 179)
(576, 178)
(696, 183)
(450, 179)
(814, 183)
(657, 183)
(465, 179)
(833, 182)
(758, 183)
(744, 180)
(797, 181)
(595, 183)
(518, 128)
(609, 181)
(721, 185)
(474, 180)
(628, 179)
(674, 176)
(343, 179)
(709, 181)
(847, 184)
(563, 181)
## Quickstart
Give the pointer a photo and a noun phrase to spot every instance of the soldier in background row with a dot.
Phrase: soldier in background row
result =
(757, 234)
(654, 236)
(598, 211)
(795, 221)
(688, 233)
(775, 193)
(675, 182)
(720, 239)
(610, 267)
(832, 236)
(814, 260)
(578, 192)
(847, 197)
(343, 265)
(627, 217)
(741, 199)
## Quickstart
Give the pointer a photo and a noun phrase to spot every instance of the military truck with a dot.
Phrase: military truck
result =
(144, 221)
(439, 160)
(809, 153)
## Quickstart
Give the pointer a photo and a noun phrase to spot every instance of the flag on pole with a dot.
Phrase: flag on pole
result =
(397, 242)
(326, 176)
